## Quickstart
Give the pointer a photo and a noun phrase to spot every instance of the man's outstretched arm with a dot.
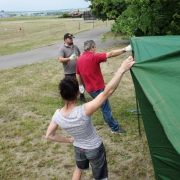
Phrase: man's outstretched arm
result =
(114, 53)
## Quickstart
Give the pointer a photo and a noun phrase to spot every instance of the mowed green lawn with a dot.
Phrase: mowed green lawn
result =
(29, 97)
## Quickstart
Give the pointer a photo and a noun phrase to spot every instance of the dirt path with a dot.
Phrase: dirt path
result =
(51, 52)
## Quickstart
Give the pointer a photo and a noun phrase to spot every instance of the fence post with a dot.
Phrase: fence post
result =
(79, 25)
(93, 23)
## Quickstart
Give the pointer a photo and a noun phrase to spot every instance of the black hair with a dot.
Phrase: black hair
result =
(69, 88)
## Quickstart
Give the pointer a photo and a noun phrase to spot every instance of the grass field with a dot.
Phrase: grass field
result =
(29, 97)
(23, 34)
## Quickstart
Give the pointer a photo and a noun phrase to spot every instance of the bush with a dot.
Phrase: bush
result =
(64, 16)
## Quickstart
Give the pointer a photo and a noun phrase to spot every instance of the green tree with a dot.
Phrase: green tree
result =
(149, 18)
(65, 15)
(140, 17)
(107, 9)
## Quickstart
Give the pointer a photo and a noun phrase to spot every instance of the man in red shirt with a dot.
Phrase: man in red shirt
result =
(88, 68)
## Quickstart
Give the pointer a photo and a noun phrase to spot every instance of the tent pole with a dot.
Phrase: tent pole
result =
(137, 107)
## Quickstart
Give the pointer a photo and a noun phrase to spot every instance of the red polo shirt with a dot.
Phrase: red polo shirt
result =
(88, 66)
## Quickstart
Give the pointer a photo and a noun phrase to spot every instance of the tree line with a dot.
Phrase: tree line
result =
(140, 17)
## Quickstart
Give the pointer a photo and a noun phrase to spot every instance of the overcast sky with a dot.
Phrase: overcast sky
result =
(41, 5)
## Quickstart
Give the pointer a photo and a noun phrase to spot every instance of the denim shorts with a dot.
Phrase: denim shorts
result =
(97, 159)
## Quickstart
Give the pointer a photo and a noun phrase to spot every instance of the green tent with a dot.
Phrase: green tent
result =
(156, 77)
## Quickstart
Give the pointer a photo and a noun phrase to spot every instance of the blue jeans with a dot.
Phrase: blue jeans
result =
(106, 110)
(97, 159)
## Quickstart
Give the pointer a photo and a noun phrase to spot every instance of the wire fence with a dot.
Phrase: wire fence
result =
(55, 29)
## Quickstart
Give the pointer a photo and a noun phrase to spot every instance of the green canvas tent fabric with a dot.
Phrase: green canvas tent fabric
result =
(156, 77)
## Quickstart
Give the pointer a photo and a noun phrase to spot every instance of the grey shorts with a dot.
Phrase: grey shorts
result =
(96, 158)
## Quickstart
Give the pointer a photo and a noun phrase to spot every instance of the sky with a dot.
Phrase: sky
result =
(41, 5)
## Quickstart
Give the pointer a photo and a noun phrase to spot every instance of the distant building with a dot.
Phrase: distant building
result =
(77, 13)
(88, 16)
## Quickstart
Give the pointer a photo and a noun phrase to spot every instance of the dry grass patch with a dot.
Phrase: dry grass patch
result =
(23, 34)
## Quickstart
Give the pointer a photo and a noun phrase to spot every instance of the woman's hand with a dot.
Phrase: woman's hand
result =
(71, 140)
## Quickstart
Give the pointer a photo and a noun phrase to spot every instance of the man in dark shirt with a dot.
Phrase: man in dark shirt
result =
(68, 55)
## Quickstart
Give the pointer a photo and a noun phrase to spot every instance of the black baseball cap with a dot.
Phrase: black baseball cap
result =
(68, 35)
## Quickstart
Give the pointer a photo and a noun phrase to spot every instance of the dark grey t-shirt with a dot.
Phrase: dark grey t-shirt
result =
(65, 52)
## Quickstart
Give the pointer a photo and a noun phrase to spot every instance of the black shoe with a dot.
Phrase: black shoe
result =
(119, 131)
(82, 98)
